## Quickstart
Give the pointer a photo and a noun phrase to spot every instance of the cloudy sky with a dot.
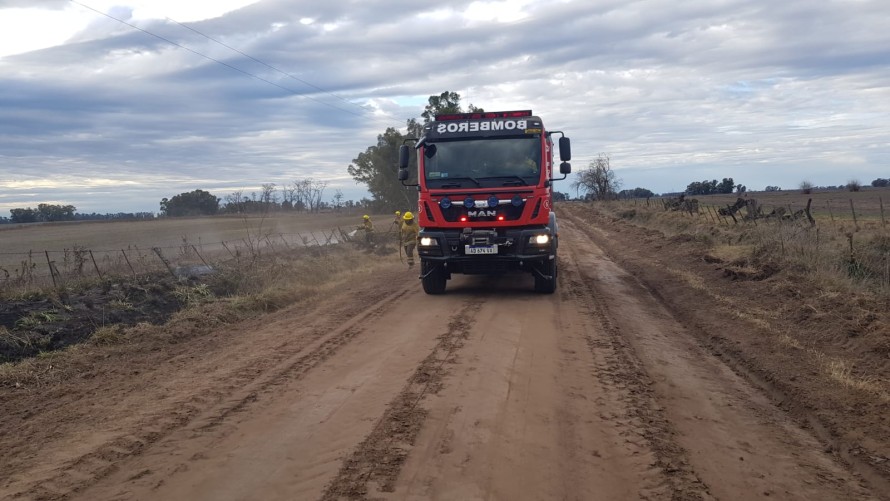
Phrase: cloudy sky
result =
(111, 105)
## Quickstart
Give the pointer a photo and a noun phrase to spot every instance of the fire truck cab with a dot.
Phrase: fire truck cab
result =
(485, 204)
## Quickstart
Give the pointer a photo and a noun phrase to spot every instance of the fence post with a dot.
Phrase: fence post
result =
(883, 222)
(164, 260)
(281, 236)
(809, 215)
(50, 265)
(830, 212)
(200, 256)
(227, 248)
(127, 259)
(96, 266)
(855, 222)
(731, 214)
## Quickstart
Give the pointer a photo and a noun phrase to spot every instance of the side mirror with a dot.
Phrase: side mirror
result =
(565, 167)
(403, 174)
(565, 150)
(404, 156)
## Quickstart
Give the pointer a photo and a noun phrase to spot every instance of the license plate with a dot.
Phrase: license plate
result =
(481, 249)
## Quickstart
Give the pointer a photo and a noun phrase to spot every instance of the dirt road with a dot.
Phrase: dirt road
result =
(487, 392)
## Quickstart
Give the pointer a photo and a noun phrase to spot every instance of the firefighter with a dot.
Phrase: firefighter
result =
(397, 222)
(368, 228)
(409, 232)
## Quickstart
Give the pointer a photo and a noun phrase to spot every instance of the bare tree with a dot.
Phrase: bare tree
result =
(308, 194)
(598, 180)
(268, 198)
(288, 195)
(235, 200)
(316, 193)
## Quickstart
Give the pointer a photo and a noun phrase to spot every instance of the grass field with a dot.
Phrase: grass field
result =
(73, 246)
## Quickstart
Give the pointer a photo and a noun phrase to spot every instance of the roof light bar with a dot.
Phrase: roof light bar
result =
(483, 115)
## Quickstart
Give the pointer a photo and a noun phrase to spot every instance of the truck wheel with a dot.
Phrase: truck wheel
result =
(544, 285)
(433, 283)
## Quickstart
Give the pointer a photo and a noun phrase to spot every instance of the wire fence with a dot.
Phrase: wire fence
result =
(754, 210)
(57, 268)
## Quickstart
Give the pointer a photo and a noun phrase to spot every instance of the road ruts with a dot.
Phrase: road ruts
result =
(489, 391)
(732, 438)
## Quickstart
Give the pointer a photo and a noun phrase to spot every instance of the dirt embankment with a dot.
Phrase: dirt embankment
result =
(821, 355)
(635, 380)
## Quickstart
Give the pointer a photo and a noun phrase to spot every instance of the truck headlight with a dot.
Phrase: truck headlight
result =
(541, 239)
(427, 241)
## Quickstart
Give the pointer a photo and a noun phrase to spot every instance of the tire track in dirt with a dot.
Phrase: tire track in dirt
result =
(377, 461)
(527, 411)
(740, 342)
(726, 432)
(625, 381)
(205, 409)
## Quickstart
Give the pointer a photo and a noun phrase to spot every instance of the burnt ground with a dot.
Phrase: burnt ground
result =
(52, 320)
(48, 320)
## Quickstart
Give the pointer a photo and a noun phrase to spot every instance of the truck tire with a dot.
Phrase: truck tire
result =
(544, 285)
(433, 281)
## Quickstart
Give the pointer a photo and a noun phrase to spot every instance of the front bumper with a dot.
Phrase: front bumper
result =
(514, 249)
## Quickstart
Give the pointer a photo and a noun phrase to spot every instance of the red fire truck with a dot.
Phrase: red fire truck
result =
(485, 204)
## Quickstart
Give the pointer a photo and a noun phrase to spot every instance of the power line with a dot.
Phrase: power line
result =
(208, 37)
(205, 56)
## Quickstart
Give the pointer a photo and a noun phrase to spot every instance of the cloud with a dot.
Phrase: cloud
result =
(674, 92)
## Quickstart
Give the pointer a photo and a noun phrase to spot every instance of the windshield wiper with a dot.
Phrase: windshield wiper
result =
(511, 182)
(457, 185)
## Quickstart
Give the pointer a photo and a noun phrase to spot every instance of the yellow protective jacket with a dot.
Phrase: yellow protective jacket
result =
(409, 232)
(367, 225)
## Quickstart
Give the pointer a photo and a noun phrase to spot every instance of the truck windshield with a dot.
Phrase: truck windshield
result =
(484, 162)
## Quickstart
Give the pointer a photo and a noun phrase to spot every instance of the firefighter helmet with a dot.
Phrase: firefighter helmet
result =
(408, 216)
(366, 217)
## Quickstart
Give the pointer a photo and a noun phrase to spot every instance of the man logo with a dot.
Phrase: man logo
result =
(482, 213)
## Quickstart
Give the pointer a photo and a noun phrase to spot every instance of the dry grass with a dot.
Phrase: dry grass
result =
(89, 250)
(269, 283)
(839, 264)
(833, 205)
(836, 253)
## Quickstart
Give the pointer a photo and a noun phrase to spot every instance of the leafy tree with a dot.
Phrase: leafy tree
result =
(740, 188)
(880, 183)
(711, 187)
(702, 187)
(772, 188)
(53, 212)
(726, 186)
(193, 203)
(28, 215)
(43, 213)
(598, 180)
(636, 193)
(376, 167)
(806, 187)
(446, 102)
